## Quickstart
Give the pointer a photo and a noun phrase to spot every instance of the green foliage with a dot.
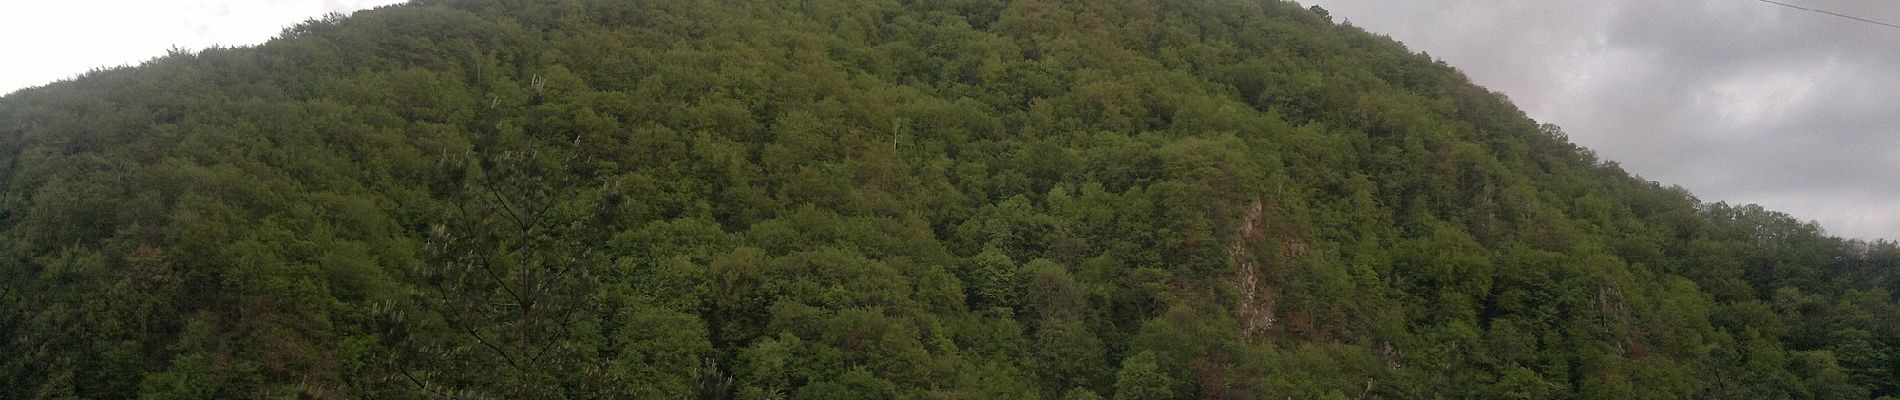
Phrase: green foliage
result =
(1141, 378)
(944, 199)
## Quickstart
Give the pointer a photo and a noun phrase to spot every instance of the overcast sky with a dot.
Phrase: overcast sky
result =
(48, 40)
(1737, 100)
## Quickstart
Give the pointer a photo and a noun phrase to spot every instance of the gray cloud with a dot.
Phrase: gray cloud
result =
(1736, 100)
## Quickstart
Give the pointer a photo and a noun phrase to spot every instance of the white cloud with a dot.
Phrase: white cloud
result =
(49, 40)
(1738, 101)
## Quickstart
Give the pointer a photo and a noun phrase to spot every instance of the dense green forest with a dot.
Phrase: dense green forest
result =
(878, 199)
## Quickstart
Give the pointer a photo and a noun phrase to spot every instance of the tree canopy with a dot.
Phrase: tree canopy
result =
(878, 199)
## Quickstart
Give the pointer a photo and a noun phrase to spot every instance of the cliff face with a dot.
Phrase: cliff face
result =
(836, 199)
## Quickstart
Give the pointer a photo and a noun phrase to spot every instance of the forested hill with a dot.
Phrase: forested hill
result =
(878, 199)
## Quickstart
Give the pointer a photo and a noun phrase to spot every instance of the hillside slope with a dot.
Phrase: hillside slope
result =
(878, 199)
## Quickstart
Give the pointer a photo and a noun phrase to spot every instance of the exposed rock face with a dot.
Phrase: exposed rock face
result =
(1256, 299)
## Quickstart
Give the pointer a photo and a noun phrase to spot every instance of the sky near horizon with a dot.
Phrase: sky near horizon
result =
(1736, 100)
(1740, 101)
(49, 41)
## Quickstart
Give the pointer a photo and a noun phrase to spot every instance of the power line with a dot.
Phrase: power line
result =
(1831, 13)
